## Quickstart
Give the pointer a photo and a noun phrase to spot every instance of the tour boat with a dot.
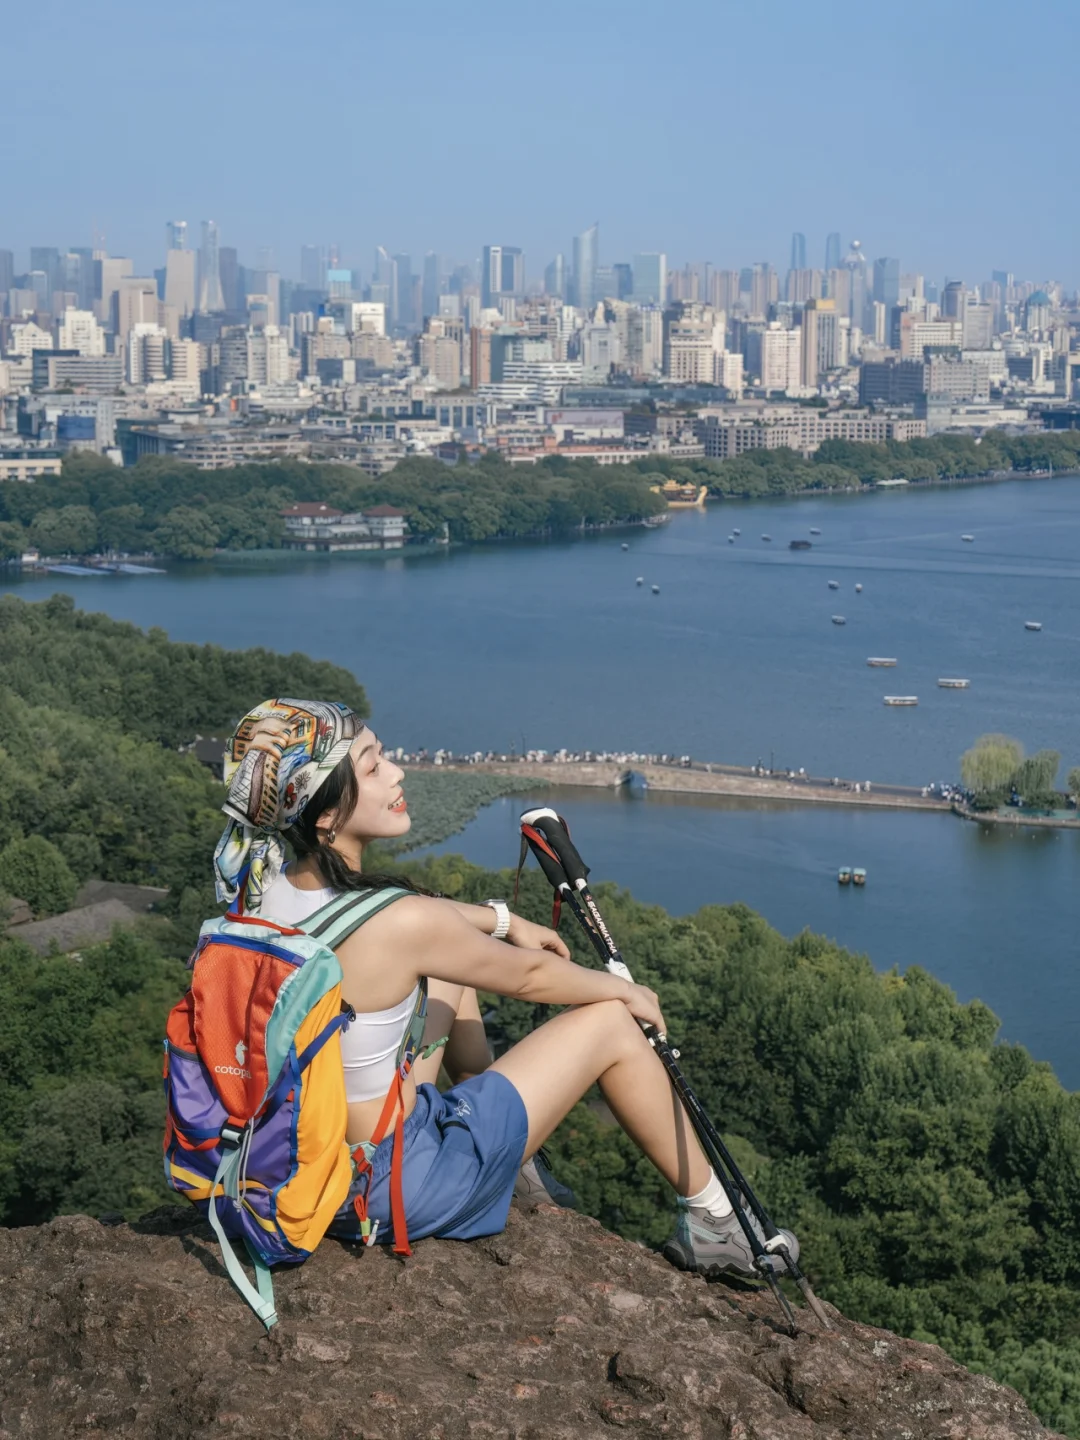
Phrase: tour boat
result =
(799, 545)
(838, 620)
(858, 876)
(814, 530)
(766, 537)
(731, 539)
(834, 584)
(901, 699)
(858, 589)
(954, 684)
(968, 538)
(844, 875)
(656, 589)
(735, 531)
(640, 580)
(881, 660)
(626, 547)
(1032, 624)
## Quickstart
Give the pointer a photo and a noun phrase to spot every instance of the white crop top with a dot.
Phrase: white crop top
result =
(369, 1047)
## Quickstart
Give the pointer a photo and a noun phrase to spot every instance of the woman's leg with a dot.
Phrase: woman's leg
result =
(552, 1068)
(453, 1010)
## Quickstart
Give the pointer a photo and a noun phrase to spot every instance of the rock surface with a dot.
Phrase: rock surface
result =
(554, 1330)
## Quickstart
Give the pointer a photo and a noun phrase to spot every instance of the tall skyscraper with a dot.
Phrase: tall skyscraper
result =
(210, 296)
(232, 292)
(432, 286)
(887, 281)
(586, 259)
(832, 251)
(313, 267)
(7, 270)
(649, 272)
(46, 260)
(405, 314)
(798, 251)
(555, 278)
(384, 284)
(503, 274)
(175, 234)
(180, 288)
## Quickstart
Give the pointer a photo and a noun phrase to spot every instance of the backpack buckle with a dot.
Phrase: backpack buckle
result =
(231, 1136)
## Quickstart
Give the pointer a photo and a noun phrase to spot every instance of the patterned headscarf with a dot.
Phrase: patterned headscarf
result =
(267, 792)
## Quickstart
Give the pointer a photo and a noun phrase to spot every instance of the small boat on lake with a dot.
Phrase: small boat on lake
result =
(640, 580)
(799, 545)
(834, 584)
(735, 530)
(766, 537)
(838, 620)
(626, 547)
(968, 538)
(656, 589)
(901, 699)
(731, 539)
(881, 661)
(858, 876)
(954, 684)
(1032, 624)
(843, 875)
(858, 589)
(814, 530)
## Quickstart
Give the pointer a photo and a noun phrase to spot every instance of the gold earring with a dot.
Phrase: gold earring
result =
(331, 836)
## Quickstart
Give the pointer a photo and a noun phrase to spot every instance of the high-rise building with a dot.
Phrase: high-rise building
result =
(146, 354)
(232, 293)
(85, 287)
(953, 300)
(175, 234)
(649, 272)
(586, 259)
(887, 281)
(180, 286)
(46, 260)
(503, 275)
(832, 251)
(764, 289)
(7, 271)
(693, 338)
(313, 267)
(210, 294)
(79, 330)
(798, 251)
(137, 304)
(433, 284)
(404, 314)
(555, 278)
(978, 325)
(780, 359)
(384, 283)
(819, 340)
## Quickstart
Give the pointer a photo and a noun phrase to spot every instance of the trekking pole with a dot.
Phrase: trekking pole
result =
(545, 834)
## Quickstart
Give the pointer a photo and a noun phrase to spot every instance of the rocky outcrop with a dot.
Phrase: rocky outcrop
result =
(554, 1330)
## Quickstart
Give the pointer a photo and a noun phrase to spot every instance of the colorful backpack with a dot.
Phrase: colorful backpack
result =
(255, 1090)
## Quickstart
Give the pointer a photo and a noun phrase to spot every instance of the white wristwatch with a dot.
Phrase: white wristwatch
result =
(502, 919)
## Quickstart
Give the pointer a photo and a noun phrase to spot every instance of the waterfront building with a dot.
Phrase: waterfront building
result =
(314, 525)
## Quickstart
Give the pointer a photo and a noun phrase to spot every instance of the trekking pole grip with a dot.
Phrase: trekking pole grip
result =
(553, 828)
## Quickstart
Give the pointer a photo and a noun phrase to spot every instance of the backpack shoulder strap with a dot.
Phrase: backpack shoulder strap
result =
(335, 921)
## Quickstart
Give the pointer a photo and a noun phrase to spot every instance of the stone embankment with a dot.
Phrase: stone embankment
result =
(554, 1330)
(715, 780)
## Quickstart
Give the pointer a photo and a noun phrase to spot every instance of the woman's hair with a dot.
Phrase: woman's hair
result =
(338, 793)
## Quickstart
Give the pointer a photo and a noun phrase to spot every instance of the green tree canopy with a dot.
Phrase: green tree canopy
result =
(989, 766)
(34, 870)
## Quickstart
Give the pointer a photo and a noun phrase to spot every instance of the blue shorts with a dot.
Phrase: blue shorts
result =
(463, 1150)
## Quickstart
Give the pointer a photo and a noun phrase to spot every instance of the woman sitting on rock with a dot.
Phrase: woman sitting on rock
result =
(312, 774)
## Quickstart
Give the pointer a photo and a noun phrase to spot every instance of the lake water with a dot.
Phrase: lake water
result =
(992, 912)
(736, 660)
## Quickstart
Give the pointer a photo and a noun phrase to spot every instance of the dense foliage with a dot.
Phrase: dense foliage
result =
(850, 465)
(997, 772)
(169, 507)
(932, 1175)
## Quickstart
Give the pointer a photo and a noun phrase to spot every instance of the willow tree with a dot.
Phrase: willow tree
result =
(988, 768)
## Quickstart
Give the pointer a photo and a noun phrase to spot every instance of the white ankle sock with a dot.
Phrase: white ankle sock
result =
(711, 1200)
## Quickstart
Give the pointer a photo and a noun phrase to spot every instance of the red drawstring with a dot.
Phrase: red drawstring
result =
(363, 1165)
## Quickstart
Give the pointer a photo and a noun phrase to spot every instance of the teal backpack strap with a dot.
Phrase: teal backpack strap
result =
(337, 920)
(260, 1299)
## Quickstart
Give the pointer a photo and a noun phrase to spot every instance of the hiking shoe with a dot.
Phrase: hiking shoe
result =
(718, 1248)
(536, 1184)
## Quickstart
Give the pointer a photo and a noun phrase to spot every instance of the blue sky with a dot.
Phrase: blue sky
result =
(939, 132)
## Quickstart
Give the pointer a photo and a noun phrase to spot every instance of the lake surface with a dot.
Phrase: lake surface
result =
(736, 659)
(549, 645)
(992, 912)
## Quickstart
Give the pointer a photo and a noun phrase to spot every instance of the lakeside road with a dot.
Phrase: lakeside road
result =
(700, 779)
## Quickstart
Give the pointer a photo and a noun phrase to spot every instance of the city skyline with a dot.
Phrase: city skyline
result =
(847, 123)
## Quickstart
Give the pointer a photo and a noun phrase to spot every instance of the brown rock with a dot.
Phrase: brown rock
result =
(541, 1333)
